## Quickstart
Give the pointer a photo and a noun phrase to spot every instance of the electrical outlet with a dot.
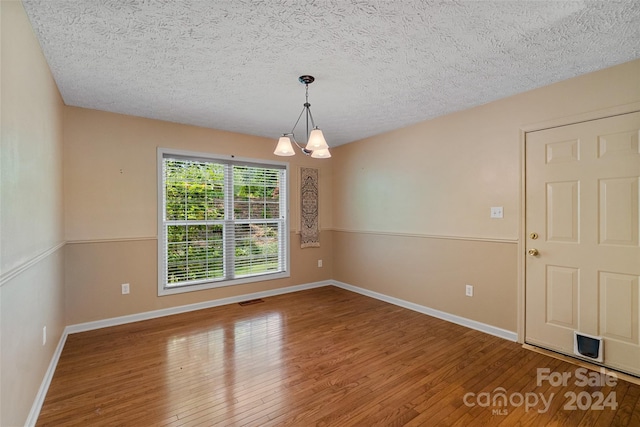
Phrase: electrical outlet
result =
(496, 212)
(469, 290)
(44, 335)
(125, 288)
(319, 263)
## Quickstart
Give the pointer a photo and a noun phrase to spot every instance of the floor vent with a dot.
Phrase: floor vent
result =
(251, 302)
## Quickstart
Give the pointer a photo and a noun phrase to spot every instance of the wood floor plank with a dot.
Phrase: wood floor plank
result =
(322, 357)
(624, 414)
(525, 383)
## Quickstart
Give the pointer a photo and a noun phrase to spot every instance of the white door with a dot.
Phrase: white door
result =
(582, 217)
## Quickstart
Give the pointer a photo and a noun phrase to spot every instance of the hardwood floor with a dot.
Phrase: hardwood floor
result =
(324, 357)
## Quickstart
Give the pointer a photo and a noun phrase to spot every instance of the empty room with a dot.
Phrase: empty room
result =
(319, 213)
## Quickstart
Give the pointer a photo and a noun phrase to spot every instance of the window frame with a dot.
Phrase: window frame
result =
(163, 289)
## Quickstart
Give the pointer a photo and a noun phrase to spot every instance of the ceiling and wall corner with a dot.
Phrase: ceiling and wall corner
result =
(233, 65)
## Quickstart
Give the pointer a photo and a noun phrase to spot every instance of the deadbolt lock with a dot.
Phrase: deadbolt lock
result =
(533, 235)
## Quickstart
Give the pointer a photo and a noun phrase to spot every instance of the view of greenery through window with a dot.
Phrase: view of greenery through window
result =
(219, 229)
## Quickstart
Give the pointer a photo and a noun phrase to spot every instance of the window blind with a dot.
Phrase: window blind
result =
(221, 220)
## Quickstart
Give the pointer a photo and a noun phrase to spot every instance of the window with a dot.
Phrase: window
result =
(221, 221)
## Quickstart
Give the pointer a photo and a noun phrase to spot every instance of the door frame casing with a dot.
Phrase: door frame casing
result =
(522, 240)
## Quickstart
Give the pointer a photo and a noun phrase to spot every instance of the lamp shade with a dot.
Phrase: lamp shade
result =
(316, 141)
(284, 147)
(321, 154)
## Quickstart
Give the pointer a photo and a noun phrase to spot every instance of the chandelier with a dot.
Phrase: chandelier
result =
(316, 144)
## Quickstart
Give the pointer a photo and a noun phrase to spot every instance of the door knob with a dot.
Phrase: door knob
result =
(533, 252)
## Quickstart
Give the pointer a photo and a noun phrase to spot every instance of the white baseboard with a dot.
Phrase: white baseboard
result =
(114, 321)
(463, 321)
(44, 386)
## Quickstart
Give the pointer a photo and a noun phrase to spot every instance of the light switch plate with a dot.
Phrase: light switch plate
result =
(496, 212)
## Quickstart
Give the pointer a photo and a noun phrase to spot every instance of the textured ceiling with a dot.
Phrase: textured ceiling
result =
(379, 64)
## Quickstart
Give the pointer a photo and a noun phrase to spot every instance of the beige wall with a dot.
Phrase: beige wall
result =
(420, 270)
(31, 218)
(110, 182)
(436, 182)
